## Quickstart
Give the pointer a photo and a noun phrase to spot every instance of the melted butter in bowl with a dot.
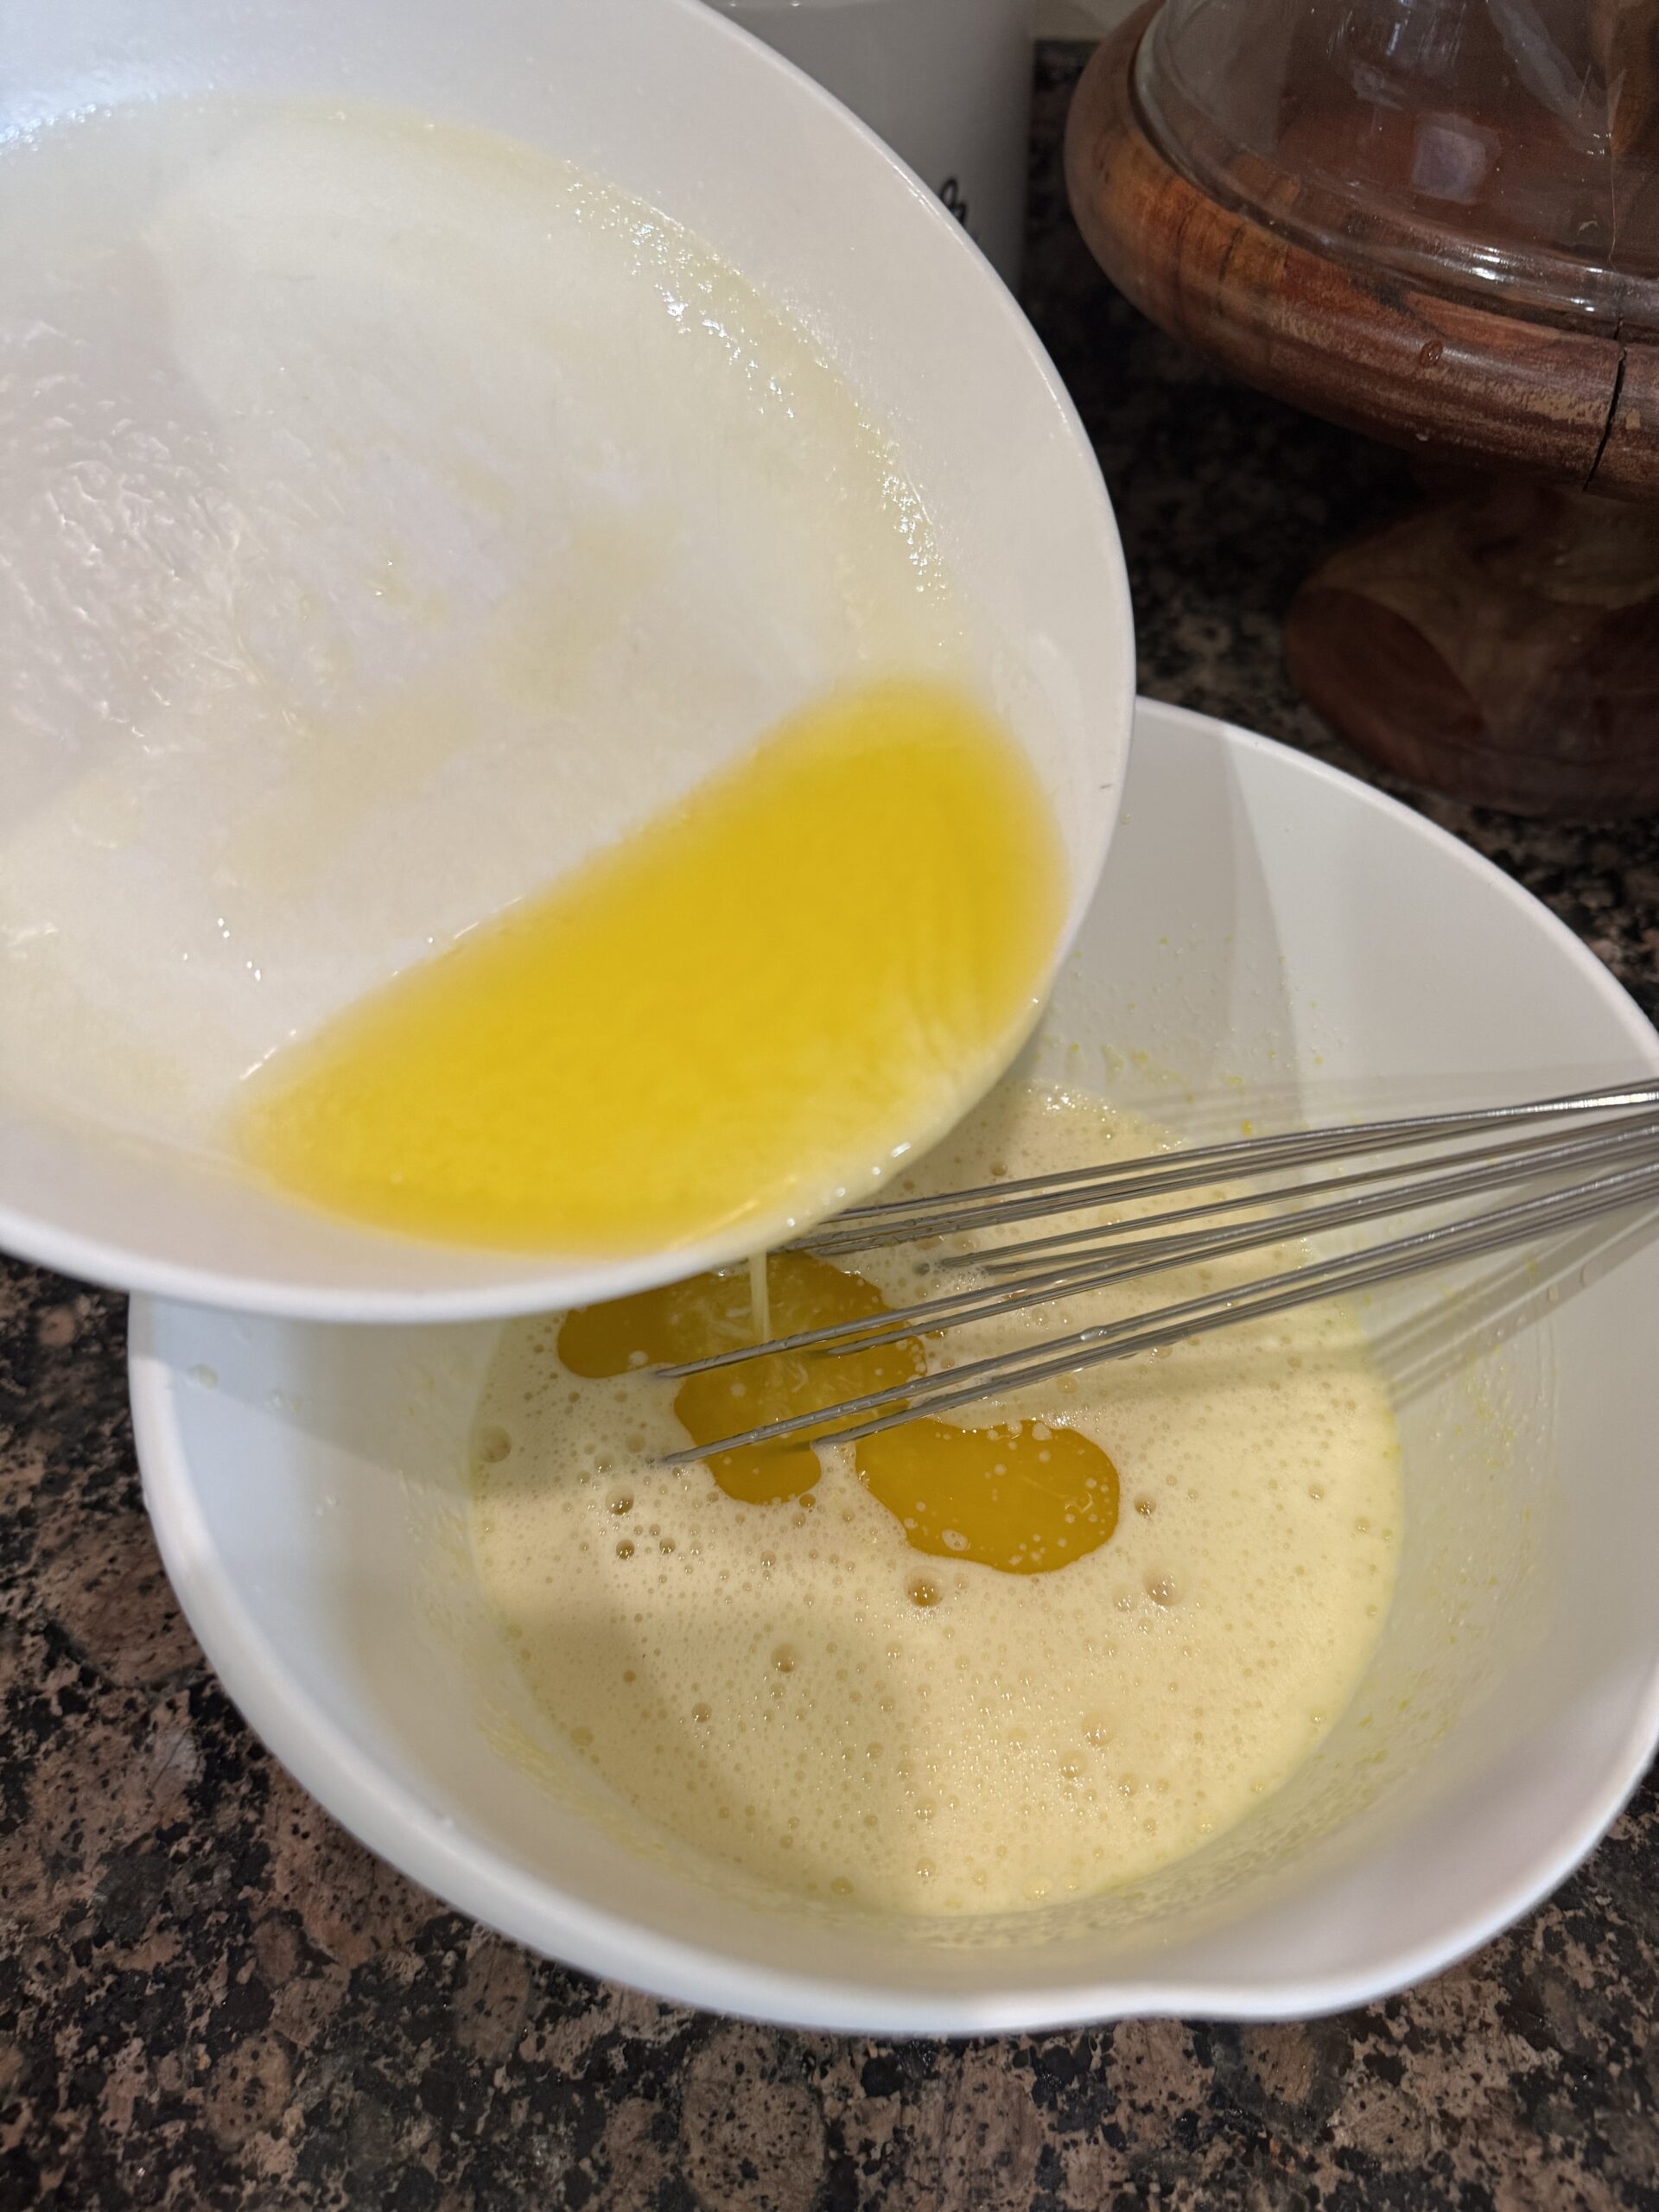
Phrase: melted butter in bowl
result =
(738, 1015)
(520, 770)
(952, 1669)
(1020, 1496)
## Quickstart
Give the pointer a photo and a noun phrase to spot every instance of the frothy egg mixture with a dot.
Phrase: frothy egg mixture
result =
(957, 1668)
(448, 617)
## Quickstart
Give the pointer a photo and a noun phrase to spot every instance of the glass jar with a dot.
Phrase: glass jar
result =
(1508, 150)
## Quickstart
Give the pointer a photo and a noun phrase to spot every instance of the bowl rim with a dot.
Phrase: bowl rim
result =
(520, 1289)
(412, 1836)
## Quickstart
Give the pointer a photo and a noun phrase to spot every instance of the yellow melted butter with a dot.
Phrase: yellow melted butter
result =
(1022, 1497)
(735, 1015)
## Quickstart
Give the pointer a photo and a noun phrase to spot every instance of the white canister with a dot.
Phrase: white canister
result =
(947, 83)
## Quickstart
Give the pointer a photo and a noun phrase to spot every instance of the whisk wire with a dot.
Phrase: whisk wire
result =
(1110, 1261)
(1002, 1374)
(1122, 1250)
(1530, 1155)
(1386, 1263)
(897, 1221)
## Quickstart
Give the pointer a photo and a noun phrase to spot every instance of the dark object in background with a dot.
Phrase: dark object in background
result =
(1436, 221)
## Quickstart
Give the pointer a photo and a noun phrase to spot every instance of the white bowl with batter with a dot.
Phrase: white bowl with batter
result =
(437, 447)
(1273, 943)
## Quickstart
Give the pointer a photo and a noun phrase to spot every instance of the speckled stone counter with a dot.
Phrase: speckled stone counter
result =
(209, 1996)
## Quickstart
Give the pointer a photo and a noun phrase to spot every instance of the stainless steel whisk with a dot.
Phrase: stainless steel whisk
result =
(1584, 1173)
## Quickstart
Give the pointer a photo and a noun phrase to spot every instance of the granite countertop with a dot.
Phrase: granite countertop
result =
(211, 1997)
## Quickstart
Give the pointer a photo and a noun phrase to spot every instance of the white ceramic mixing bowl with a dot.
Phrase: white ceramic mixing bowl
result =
(1274, 942)
(664, 99)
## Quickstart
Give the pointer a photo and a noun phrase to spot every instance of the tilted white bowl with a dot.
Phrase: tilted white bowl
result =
(664, 99)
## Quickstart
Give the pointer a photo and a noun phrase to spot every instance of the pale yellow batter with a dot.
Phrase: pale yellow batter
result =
(793, 1688)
